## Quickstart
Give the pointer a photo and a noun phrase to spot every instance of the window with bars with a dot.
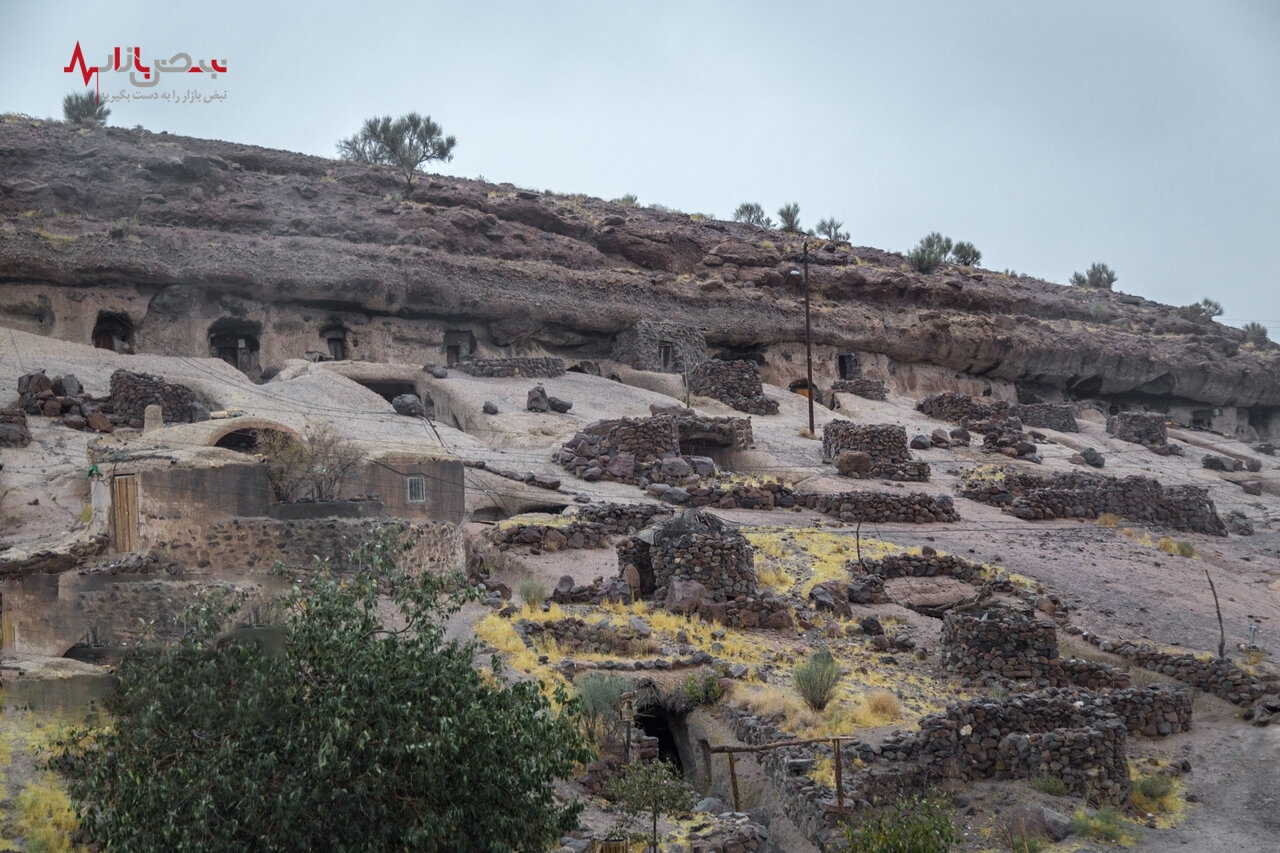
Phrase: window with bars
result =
(415, 489)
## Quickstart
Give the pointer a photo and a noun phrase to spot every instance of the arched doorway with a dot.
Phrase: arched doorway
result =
(113, 331)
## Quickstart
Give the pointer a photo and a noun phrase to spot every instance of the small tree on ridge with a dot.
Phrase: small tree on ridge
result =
(83, 107)
(404, 144)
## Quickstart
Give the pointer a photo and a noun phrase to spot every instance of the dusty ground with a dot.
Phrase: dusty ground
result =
(1119, 584)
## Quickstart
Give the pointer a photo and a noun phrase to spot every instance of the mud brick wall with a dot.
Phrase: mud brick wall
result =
(955, 408)
(995, 642)
(871, 389)
(243, 545)
(885, 444)
(550, 537)
(131, 393)
(882, 507)
(622, 519)
(13, 428)
(1047, 416)
(735, 383)
(1086, 495)
(639, 345)
(508, 367)
(1139, 427)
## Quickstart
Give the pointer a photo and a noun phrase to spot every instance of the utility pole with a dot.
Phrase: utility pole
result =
(808, 338)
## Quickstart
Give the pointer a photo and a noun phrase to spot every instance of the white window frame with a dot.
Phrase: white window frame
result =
(418, 483)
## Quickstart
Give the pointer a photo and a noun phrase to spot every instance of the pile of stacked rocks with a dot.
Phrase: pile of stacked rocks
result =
(999, 435)
(956, 408)
(871, 389)
(1087, 495)
(131, 393)
(550, 537)
(642, 451)
(997, 642)
(1055, 416)
(622, 519)
(882, 507)
(576, 636)
(866, 451)
(64, 397)
(13, 428)
(735, 383)
(1145, 428)
(1156, 710)
(925, 565)
(522, 366)
(726, 494)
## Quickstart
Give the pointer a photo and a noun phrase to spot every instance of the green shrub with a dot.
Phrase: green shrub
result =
(1099, 277)
(752, 214)
(1255, 333)
(916, 824)
(830, 229)
(930, 252)
(1153, 787)
(1047, 784)
(628, 200)
(816, 679)
(599, 696)
(703, 689)
(966, 254)
(84, 107)
(531, 591)
(1104, 825)
(789, 218)
(1099, 312)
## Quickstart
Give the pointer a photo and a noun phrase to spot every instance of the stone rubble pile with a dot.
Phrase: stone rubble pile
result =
(1055, 416)
(623, 519)
(13, 428)
(1145, 428)
(550, 537)
(131, 393)
(642, 451)
(955, 408)
(871, 451)
(735, 383)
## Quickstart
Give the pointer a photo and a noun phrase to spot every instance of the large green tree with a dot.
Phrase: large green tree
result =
(405, 144)
(360, 735)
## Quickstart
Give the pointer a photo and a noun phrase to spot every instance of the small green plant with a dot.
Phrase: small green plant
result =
(1099, 312)
(1104, 825)
(816, 679)
(84, 107)
(916, 824)
(1047, 784)
(1018, 838)
(704, 688)
(830, 229)
(1153, 787)
(966, 254)
(1255, 333)
(789, 218)
(752, 214)
(628, 200)
(531, 591)
(649, 790)
(1099, 277)
(599, 696)
(930, 252)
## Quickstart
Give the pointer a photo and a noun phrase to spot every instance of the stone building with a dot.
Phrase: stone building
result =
(660, 346)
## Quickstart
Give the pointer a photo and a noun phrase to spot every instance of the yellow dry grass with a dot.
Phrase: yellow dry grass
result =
(809, 555)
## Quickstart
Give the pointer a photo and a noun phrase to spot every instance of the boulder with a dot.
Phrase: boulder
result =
(1253, 466)
(940, 438)
(564, 590)
(490, 408)
(1253, 487)
(622, 466)
(959, 435)
(409, 405)
(832, 596)
(684, 596)
(676, 467)
(1093, 458)
(546, 481)
(99, 422)
(537, 400)
(559, 405)
(676, 495)
(71, 386)
(853, 462)
(871, 625)
(921, 442)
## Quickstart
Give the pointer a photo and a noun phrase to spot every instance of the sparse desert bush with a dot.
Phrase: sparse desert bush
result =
(916, 824)
(816, 679)
(600, 695)
(930, 252)
(1099, 312)
(1099, 277)
(703, 688)
(1104, 825)
(830, 229)
(1181, 548)
(628, 200)
(1047, 784)
(84, 106)
(752, 214)
(1255, 333)
(1107, 519)
(789, 218)
(1153, 794)
(882, 703)
(966, 254)
(531, 591)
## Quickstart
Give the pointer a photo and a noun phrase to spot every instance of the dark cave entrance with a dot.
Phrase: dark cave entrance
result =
(113, 331)
(390, 389)
(236, 342)
(669, 730)
(335, 338)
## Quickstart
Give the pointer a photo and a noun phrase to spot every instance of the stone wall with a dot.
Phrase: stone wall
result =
(883, 449)
(997, 642)
(623, 519)
(648, 450)
(13, 428)
(131, 393)
(577, 637)
(522, 366)
(735, 383)
(643, 346)
(1086, 495)
(871, 389)
(550, 537)
(1222, 678)
(1145, 428)
(1053, 416)
(725, 493)
(955, 408)
(882, 507)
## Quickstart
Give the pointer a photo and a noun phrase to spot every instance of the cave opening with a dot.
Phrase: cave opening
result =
(389, 389)
(336, 341)
(113, 331)
(669, 729)
(236, 342)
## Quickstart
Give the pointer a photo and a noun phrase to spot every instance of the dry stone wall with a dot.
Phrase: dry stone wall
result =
(882, 507)
(871, 389)
(1222, 678)
(131, 393)
(735, 383)
(1055, 416)
(645, 345)
(550, 537)
(1085, 495)
(997, 642)
(13, 428)
(641, 451)
(885, 448)
(623, 519)
(522, 366)
(956, 408)
(1147, 428)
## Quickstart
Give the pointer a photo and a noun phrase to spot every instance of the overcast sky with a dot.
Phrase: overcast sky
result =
(1144, 135)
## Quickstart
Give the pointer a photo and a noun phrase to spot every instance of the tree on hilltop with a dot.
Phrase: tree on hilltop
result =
(752, 214)
(404, 144)
(84, 106)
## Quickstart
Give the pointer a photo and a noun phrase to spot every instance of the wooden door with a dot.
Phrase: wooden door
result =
(124, 512)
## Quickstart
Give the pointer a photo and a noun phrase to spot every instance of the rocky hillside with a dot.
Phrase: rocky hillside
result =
(178, 225)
